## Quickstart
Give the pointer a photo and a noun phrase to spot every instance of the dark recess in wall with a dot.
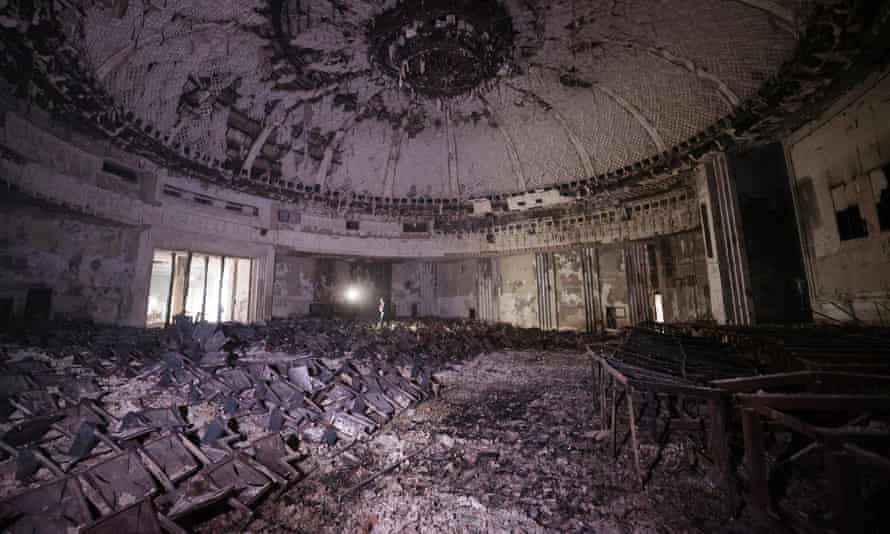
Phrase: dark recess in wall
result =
(850, 224)
(412, 228)
(6, 309)
(120, 171)
(778, 283)
(706, 224)
(884, 203)
(39, 304)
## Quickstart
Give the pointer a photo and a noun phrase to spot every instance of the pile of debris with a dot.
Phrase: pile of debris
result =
(507, 447)
(814, 440)
(113, 429)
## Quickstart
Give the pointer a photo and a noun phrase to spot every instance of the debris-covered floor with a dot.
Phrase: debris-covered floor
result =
(335, 426)
(115, 429)
(508, 446)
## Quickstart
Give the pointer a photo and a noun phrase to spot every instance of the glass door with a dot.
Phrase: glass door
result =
(241, 291)
(202, 286)
(197, 286)
(159, 288)
(181, 263)
(227, 291)
(213, 283)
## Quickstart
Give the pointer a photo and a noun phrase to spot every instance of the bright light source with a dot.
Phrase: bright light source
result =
(352, 294)
(659, 308)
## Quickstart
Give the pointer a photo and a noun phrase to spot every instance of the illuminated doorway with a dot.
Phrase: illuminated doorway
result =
(659, 308)
(201, 286)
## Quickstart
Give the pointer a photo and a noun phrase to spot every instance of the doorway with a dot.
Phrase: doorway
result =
(659, 308)
(39, 304)
(201, 286)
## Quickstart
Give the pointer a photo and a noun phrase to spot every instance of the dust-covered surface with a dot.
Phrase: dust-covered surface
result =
(199, 419)
(510, 445)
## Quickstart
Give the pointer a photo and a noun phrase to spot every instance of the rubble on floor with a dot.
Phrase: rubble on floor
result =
(509, 446)
(110, 428)
(434, 426)
(805, 445)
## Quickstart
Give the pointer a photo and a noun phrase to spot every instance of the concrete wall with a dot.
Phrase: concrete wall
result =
(406, 287)
(414, 288)
(775, 265)
(577, 300)
(89, 264)
(518, 295)
(456, 288)
(570, 291)
(295, 285)
(752, 262)
(682, 277)
(443, 289)
(487, 290)
(726, 256)
(845, 151)
(613, 283)
(67, 171)
(303, 280)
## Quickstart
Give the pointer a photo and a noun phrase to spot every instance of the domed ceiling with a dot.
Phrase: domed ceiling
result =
(422, 99)
(435, 98)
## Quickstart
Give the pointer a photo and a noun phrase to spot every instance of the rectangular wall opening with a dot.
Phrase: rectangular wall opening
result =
(201, 286)
(38, 304)
(7, 308)
(652, 261)
(706, 226)
(611, 317)
(850, 224)
(882, 197)
(159, 288)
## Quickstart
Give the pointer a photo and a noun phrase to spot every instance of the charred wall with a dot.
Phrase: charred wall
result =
(307, 285)
(613, 286)
(296, 286)
(518, 292)
(408, 281)
(840, 165)
(585, 288)
(570, 291)
(456, 288)
(681, 277)
(72, 266)
(770, 232)
(443, 289)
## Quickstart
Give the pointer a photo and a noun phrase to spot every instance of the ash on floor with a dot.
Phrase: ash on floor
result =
(508, 446)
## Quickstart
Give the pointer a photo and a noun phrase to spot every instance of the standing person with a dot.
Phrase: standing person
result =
(381, 309)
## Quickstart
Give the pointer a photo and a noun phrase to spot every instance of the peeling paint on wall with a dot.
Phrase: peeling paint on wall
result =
(304, 280)
(848, 278)
(294, 287)
(682, 277)
(88, 264)
(570, 292)
(613, 285)
(518, 302)
(456, 288)
(407, 280)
